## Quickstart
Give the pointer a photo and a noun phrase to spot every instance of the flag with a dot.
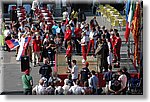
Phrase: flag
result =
(127, 32)
(135, 31)
(131, 13)
(27, 40)
(23, 45)
(12, 44)
(127, 9)
(129, 18)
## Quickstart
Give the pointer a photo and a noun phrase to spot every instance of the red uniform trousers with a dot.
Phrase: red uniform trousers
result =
(91, 44)
(116, 54)
(84, 52)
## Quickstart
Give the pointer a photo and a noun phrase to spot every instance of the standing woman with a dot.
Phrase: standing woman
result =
(68, 55)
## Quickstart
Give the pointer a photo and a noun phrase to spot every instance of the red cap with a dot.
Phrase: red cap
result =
(27, 71)
(87, 64)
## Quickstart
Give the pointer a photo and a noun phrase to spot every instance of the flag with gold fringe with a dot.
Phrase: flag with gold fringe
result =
(135, 31)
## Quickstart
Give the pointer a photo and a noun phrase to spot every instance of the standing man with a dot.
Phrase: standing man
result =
(78, 32)
(93, 82)
(117, 48)
(93, 23)
(74, 70)
(27, 82)
(107, 77)
(84, 73)
(45, 70)
(67, 36)
(81, 16)
(36, 50)
(98, 53)
(113, 39)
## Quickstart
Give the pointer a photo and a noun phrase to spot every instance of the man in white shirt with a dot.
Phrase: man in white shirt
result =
(76, 89)
(74, 71)
(39, 89)
(65, 15)
(123, 79)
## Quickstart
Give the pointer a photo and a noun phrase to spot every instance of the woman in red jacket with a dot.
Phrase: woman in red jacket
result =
(67, 36)
(68, 55)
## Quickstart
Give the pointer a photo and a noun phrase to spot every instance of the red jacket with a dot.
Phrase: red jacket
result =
(36, 45)
(68, 34)
(78, 32)
(113, 41)
(118, 43)
(69, 51)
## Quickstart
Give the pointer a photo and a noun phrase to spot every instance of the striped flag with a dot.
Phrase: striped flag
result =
(12, 44)
(131, 13)
(127, 32)
(129, 18)
(23, 45)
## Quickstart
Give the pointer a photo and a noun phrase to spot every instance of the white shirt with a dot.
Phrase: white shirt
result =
(65, 15)
(66, 89)
(83, 41)
(35, 3)
(39, 89)
(74, 72)
(91, 36)
(64, 3)
(76, 90)
(59, 90)
(6, 33)
(123, 79)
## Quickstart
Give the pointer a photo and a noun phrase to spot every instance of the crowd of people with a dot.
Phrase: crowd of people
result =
(86, 83)
(75, 36)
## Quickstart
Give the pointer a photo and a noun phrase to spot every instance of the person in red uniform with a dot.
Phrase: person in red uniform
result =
(117, 47)
(68, 55)
(84, 46)
(78, 32)
(91, 42)
(36, 50)
(113, 39)
(67, 36)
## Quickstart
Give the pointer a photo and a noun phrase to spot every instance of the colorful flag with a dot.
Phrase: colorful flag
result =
(23, 45)
(131, 13)
(129, 18)
(12, 44)
(127, 32)
(135, 30)
(127, 9)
